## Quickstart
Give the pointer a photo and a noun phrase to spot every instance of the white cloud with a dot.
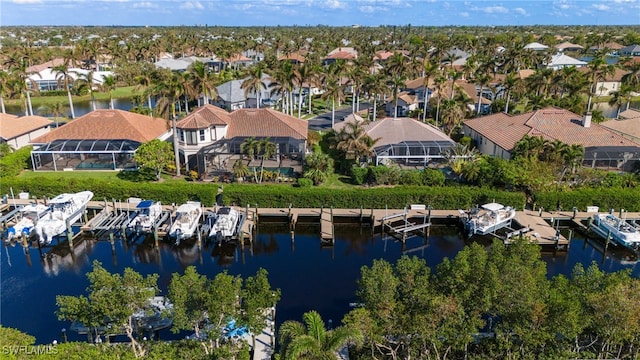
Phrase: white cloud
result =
(464, 14)
(601, 7)
(334, 4)
(27, 1)
(495, 10)
(145, 5)
(520, 11)
(367, 9)
(192, 5)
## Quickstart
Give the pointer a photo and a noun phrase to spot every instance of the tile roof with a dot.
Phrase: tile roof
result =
(265, 123)
(630, 114)
(108, 125)
(293, 56)
(550, 123)
(393, 131)
(568, 45)
(616, 76)
(341, 55)
(204, 117)
(52, 63)
(627, 126)
(12, 126)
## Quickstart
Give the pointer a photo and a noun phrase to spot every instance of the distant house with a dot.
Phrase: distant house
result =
(101, 139)
(535, 46)
(613, 47)
(610, 83)
(559, 61)
(232, 96)
(407, 102)
(631, 50)
(628, 128)
(19, 131)
(341, 53)
(497, 134)
(45, 78)
(403, 141)
(210, 137)
(567, 46)
(294, 58)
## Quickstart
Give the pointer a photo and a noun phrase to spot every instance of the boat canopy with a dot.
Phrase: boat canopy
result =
(492, 206)
(61, 199)
(144, 204)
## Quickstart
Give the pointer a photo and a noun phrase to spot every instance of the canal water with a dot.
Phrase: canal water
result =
(309, 275)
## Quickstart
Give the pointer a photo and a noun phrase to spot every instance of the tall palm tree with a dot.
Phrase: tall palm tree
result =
(374, 85)
(482, 80)
(312, 340)
(254, 82)
(169, 88)
(598, 70)
(621, 96)
(87, 80)
(63, 75)
(108, 85)
(250, 147)
(4, 88)
(430, 70)
(268, 150)
(334, 92)
(56, 109)
(144, 82)
(396, 81)
(203, 80)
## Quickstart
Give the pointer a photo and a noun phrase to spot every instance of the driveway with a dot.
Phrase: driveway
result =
(323, 122)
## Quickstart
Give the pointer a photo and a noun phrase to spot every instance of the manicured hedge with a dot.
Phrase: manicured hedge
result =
(605, 198)
(271, 195)
(13, 163)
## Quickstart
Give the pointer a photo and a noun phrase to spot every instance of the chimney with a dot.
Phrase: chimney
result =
(586, 121)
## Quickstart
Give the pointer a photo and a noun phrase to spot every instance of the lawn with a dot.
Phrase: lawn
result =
(37, 101)
(111, 176)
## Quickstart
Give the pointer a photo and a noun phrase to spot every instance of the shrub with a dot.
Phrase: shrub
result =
(411, 177)
(304, 182)
(13, 163)
(359, 175)
(433, 177)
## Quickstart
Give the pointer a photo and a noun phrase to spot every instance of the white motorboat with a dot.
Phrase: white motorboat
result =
(147, 214)
(64, 210)
(620, 231)
(26, 219)
(488, 219)
(226, 223)
(187, 219)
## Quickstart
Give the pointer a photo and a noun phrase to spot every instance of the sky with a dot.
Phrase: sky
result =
(318, 12)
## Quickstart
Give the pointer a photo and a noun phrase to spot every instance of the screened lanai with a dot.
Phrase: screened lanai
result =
(85, 155)
(624, 158)
(412, 153)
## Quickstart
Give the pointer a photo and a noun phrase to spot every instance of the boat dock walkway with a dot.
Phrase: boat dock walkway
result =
(265, 341)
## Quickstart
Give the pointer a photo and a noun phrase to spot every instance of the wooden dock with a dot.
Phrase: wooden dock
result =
(538, 229)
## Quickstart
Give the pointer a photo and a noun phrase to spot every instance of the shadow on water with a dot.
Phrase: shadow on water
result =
(311, 275)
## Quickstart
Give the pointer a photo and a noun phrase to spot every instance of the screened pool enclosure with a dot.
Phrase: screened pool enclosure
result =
(413, 153)
(67, 155)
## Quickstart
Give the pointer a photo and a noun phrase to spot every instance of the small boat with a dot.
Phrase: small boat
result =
(26, 219)
(187, 219)
(488, 219)
(147, 213)
(226, 223)
(64, 210)
(620, 231)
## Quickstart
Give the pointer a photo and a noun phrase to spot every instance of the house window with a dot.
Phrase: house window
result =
(201, 135)
(191, 138)
(181, 133)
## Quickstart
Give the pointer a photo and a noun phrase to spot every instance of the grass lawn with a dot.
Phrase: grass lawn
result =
(337, 181)
(111, 176)
(37, 101)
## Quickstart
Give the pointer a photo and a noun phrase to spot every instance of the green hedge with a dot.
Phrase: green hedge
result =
(270, 195)
(605, 198)
(13, 163)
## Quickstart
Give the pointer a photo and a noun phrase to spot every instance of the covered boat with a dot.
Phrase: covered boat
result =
(64, 210)
(488, 219)
(26, 219)
(187, 219)
(226, 223)
(147, 214)
(620, 231)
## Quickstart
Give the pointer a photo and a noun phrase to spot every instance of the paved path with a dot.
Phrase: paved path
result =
(323, 122)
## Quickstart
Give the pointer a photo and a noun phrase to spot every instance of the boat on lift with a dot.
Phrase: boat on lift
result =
(620, 231)
(64, 210)
(487, 219)
(187, 220)
(147, 214)
(25, 221)
(226, 223)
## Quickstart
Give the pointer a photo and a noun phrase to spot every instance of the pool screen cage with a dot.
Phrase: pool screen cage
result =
(625, 158)
(85, 155)
(416, 153)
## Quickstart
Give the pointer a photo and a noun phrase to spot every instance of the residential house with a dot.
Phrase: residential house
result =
(497, 134)
(406, 103)
(609, 84)
(211, 138)
(535, 46)
(101, 139)
(567, 46)
(628, 128)
(341, 53)
(18, 131)
(294, 57)
(232, 96)
(44, 78)
(403, 141)
(612, 47)
(417, 87)
(631, 50)
(560, 60)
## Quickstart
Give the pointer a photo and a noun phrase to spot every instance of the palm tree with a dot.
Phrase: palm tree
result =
(203, 80)
(268, 150)
(396, 82)
(598, 69)
(250, 147)
(430, 70)
(63, 75)
(169, 88)
(56, 109)
(482, 80)
(375, 86)
(144, 83)
(312, 340)
(318, 167)
(452, 115)
(621, 96)
(573, 156)
(333, 91)
(4, 87)
(254, 83)
(87, 80)
(109, 84)
(353, 140)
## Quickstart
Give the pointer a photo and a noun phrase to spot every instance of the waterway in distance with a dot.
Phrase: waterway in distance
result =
(310, 276)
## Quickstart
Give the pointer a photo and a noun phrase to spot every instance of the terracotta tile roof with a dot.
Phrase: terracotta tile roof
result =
(204, 117)
(627, 126)
(341, 55)
(629, 114)
(394, 131)
(616, 76)
(50, 64)
(237, 58)
(108, 125)
(265, 123)
(550, 123)
(568, 45)
(525, 73)
(293, 56)
(12, 126)
(417, 83)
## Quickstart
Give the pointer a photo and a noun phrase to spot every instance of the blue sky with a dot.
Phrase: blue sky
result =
(315, 12)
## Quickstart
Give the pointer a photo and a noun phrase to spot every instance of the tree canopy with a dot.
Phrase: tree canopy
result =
(155, 155)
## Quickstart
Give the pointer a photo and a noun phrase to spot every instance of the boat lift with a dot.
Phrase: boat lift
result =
(406, 227)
